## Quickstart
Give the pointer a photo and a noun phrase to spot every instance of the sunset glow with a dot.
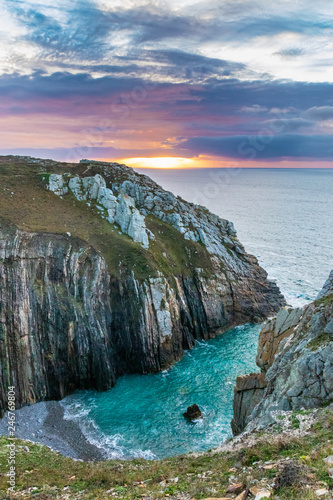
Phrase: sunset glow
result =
(235, 84)
(161, 162)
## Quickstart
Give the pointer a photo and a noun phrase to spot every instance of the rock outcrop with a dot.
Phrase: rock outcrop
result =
(192, 413)
(328, 287)
(130, 296)
(249, 391)
(120, 210)
(295, 355)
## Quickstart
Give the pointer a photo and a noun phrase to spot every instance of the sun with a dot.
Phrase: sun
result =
(160, 162)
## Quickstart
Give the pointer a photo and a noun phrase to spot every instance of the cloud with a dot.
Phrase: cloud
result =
(84, 30)
(321, 113)
(256, 108)
(291, 53)
(265, 146)
(290, 125)
(212, 117)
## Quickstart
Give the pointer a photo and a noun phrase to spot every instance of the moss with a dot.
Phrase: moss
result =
(319, 341)
(173, 254)
(326, 300)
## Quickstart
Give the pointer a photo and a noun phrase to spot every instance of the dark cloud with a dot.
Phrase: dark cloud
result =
(63, 85)
(88, 32)
(83, 34)
(291, 124)
(214, 102)
(188, 66)
(290, 53)
(263, 146)
(267, 94)
(320, 113)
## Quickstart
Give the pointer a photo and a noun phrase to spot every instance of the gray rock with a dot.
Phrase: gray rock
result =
(295, 354)
(92, 185)
(137, 229)
(76, 186)
(328, 287)
(107, 199)
(131, 221)
(57, 184)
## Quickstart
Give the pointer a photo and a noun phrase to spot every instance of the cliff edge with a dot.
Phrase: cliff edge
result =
(102, 273)
(295, 355)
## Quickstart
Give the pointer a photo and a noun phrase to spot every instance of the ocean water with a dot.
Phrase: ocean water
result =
(285, 218)
(142, 416)
(282, 216)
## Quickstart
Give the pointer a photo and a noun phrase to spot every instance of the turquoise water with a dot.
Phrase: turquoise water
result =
(142, 416)
(284, 217)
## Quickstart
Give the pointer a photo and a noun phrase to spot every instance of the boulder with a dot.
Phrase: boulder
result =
(235, 488)
(106, 198)
(137, 229)
(193, 412)
(75, 185)
(92, 185)
(57, 184)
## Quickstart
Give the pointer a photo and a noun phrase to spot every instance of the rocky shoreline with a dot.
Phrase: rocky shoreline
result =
(44, 423)
(295, 355)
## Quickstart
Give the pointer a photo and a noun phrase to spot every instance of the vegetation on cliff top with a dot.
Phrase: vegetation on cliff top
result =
(26, 203)
(44, 475)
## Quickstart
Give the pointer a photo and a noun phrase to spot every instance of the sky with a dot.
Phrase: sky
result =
(170, 83)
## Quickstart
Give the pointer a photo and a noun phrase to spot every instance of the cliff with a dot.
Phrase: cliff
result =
(295, 355)
(102, 273)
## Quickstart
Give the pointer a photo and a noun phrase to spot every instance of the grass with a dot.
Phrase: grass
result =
(319, 341)
(26, 203)
(328, 299)
(198, 476)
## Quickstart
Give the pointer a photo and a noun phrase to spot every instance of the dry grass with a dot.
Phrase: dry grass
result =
(207, 475)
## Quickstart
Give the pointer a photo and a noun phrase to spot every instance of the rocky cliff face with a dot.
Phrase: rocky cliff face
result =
(295, 355)
(135, 279)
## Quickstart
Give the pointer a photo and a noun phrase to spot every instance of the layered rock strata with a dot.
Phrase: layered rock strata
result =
(295, 355)
(69, 320)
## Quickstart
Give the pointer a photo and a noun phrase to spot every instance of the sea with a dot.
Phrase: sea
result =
(282, 216)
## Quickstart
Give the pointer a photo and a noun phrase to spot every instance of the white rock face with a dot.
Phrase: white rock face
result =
(106, 198)
(75, 185)
(57, 184)
(92, 185)
(131, 221)
(125, 209)
(121, 210)
(86, 188)
(161, 305)
(190, 220)
(137, 229)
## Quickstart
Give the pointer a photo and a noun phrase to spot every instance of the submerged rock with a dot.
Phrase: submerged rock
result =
(193, 412)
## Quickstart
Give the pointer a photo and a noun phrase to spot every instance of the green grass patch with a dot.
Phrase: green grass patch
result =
(198, 477)
(319, 341)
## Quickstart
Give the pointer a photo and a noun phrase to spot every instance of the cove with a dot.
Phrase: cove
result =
(142, 416)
